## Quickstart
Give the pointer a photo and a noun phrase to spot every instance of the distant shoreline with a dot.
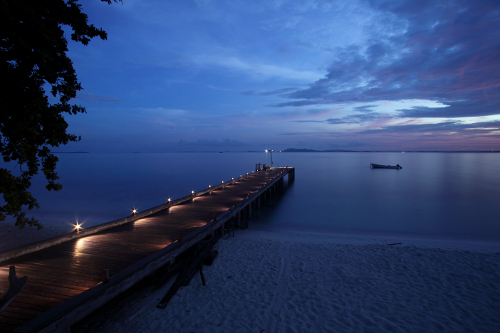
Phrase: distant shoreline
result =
(291, 150)
(294, 150)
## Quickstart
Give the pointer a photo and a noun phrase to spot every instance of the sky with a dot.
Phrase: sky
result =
(239, 75)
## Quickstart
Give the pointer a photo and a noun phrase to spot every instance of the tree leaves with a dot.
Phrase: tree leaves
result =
(33, 54)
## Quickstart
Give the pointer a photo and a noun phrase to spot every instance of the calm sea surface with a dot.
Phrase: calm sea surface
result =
(435, 194)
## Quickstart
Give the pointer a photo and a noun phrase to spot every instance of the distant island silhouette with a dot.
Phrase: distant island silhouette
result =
(295, 150)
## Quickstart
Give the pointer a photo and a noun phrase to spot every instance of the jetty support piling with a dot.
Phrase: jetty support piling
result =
(105, 275)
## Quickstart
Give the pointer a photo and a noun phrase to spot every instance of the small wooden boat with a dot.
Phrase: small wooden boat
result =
(380, 166)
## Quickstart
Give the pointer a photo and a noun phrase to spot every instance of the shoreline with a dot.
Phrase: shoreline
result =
(368, 237)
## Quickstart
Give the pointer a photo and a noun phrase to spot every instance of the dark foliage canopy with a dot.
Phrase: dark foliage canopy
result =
(32, 58)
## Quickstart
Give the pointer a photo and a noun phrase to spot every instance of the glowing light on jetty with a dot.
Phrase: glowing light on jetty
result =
(270, 151)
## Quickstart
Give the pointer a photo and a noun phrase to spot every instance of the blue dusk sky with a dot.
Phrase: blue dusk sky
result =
(211, 75)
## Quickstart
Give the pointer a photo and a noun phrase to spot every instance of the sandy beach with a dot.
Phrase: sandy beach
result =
(269, 281)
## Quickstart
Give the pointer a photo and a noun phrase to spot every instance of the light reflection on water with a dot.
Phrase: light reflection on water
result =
(445, 194)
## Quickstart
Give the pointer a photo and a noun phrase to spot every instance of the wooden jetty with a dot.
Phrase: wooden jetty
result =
(71, 276)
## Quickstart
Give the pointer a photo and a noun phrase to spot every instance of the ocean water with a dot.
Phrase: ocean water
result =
(435, 194)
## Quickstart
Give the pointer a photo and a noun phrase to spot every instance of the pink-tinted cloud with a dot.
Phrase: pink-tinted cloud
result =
(450, 53)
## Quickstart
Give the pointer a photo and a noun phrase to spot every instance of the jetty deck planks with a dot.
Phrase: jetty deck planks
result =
(60, 272)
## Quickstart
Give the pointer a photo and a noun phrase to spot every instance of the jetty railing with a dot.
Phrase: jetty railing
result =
(92, 230)
(61, 317)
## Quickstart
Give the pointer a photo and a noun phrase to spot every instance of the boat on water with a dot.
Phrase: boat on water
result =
(380, 166)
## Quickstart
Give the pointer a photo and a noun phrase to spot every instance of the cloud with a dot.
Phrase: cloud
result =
(160, 111)
(307, 121)
(316, 112)
(350, 119)
(212, 143)
(291, 134)
(365, 108)
(268, 93)
(450, 126)
(447, 52)
(349, 144)
(93, 98)
(456, 109)
(255, 69)
(356, 119)
(277, 92)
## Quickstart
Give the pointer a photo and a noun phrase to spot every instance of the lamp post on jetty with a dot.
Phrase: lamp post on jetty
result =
(270, 151)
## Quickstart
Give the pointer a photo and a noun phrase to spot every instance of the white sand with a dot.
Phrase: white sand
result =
(299, 282)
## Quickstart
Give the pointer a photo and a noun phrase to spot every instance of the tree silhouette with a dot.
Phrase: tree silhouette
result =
(33, 57)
